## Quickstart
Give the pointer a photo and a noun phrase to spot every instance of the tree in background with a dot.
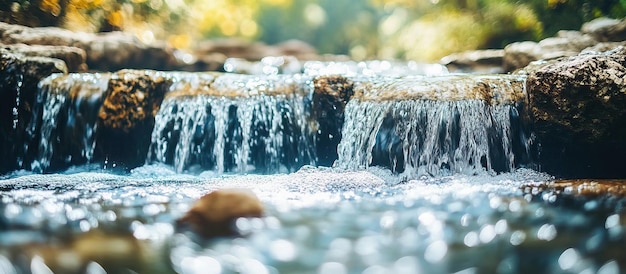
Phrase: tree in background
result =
(422, 30)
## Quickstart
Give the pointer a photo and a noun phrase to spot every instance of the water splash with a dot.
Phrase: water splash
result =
(234, 123)
(435, 126)
(65, 118)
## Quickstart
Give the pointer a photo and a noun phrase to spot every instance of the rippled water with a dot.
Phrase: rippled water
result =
(317, 220)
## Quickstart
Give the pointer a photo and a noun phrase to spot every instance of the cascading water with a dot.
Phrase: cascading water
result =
(240, 123)
(443, 125)
(64, 119)
(234, 123)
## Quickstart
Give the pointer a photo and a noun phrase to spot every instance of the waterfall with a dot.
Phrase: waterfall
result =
(234, 123)
(434, 126)
(64, 119)
(416, 125)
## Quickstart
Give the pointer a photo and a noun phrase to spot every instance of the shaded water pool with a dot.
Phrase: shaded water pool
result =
(317, 220)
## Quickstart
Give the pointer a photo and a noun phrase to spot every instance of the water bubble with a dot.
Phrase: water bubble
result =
(515, 205)
(568, 258)
(540, 212)
(332, 267)
(375, 269)
(495, 202)
(517, 237)
(591, 205)
(406, 265)
(388, 219)
(339, 249)
(436, 251)
(12, 210)
(243, 225)
(251, 266)
(76, 214)
(465, 219)
(501, 226)
(84, 225)
(427, 218)
(152, 209)
(38, 266)
(95, 268)
(612, 221)
(367, 245)
(595, 241)
(487, 234)
(610, 267)
(200, 265)
(6, 266)
(546, 232)
(283, 250)
(471, 239)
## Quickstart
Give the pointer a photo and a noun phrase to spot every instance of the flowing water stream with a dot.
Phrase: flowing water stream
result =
(431, 176)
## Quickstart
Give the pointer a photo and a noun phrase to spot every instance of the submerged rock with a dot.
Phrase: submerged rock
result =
(92, 251)
(214, 214)
(578, 105)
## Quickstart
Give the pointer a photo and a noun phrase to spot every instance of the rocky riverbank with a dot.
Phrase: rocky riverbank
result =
(574, 83)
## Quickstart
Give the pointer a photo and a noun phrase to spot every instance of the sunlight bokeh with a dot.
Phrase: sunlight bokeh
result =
(423, 30)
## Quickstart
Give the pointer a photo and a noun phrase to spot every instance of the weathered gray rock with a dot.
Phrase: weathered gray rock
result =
(105, 51)
(481, 61)
(566, 43)
(73, 57)
(579, 109)
(606, 29)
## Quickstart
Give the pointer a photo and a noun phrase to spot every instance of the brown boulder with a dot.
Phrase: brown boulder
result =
(579, 110)
(214, 214)
(131, 102)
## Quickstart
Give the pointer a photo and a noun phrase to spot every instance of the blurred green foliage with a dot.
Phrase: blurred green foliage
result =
(406, 29)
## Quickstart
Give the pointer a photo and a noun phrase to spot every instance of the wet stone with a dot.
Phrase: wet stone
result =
(588, 188)
(19, 77)
(214, 214)
(63, 128)
(578, 115)
(330, 96)
(132, 100)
